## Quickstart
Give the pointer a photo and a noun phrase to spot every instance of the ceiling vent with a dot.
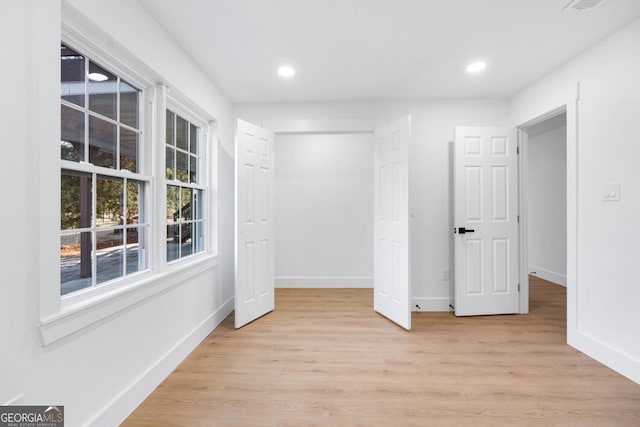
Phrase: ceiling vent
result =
(581, 5)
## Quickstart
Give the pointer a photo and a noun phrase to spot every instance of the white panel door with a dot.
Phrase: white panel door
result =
(255, 228)
(486, 221)
(391, 285)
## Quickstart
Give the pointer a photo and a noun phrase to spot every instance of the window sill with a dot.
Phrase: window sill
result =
(82, 314)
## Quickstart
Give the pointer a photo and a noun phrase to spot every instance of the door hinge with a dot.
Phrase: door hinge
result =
(518, 150)
(518, 219)
(518, 287)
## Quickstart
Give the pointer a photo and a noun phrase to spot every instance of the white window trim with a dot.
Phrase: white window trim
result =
(205, 166)
(62, 317)
(145, 123)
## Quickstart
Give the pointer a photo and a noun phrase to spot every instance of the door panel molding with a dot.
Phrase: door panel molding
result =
(486, 206)
(392, 285)
(255, 228)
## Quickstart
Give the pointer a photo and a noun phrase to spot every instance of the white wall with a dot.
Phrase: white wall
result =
(603, 268)
(324, 210)
(547, 200)
(102, 372)
(433, 124)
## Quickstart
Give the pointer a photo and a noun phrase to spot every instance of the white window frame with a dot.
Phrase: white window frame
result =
(112, 63)
(204, 170)
(144, 148)
(61, 317)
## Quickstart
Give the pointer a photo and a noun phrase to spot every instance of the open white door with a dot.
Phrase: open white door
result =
(486, 221)
(255, 229)
(391, 285)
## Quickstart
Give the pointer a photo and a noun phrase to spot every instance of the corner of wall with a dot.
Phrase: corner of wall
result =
(622, 363)
(116, 411)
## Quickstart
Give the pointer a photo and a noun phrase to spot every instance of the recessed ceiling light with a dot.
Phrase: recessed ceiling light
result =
(97, 77)
(476, 67)
(286, 71)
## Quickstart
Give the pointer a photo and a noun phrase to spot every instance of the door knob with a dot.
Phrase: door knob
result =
(462, 230)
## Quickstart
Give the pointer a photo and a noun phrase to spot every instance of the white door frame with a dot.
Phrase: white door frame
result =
(523, 182)
(570, 106)
(324, 127)
(334, 126)
(294, 128)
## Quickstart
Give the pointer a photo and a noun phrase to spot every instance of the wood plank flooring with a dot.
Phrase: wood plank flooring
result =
(324, 358)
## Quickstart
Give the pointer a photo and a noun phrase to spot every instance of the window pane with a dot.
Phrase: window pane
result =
(128, 104)
(193, 139)
(182, 165)
(128, 150)
(75, 262)
(75, 200)
(170, 171)
(198, 227)
(102, 143)
(109, 255)
(72, 75)
(136, 244)
(186, 241)
(173, 248)
(182, 130)
(193, 169)
(197, 204)
(102, 91)
(170, 136)
(186, 204)
(173, 201)
(198, 237)
(109, 197)
(72, 134)
(134, 189)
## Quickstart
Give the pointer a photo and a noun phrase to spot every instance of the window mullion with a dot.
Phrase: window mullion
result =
(159, 188)
(125, 222)
(180, 222)
(188, 152)
(184, 184)
(86, 109)
(89, 168)
(118, 166)
(94, 234)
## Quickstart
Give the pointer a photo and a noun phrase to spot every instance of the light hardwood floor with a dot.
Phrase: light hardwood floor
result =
(324, 358)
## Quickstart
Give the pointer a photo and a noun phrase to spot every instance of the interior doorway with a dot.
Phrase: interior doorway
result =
(323, 205)
(547, 199)
(255, 221)
(555, 154)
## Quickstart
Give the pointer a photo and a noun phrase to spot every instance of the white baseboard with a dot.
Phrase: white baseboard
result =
(323, 282)
(116, 411)
(620, 362)
(557, 278)
(430, 304)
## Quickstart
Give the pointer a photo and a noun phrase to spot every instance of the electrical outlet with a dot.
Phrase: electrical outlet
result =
(445, 274)
(611, 192)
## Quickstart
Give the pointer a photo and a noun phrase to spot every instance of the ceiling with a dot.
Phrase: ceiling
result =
(381, 49)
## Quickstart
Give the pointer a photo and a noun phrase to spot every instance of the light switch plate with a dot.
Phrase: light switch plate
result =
(611, 192)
